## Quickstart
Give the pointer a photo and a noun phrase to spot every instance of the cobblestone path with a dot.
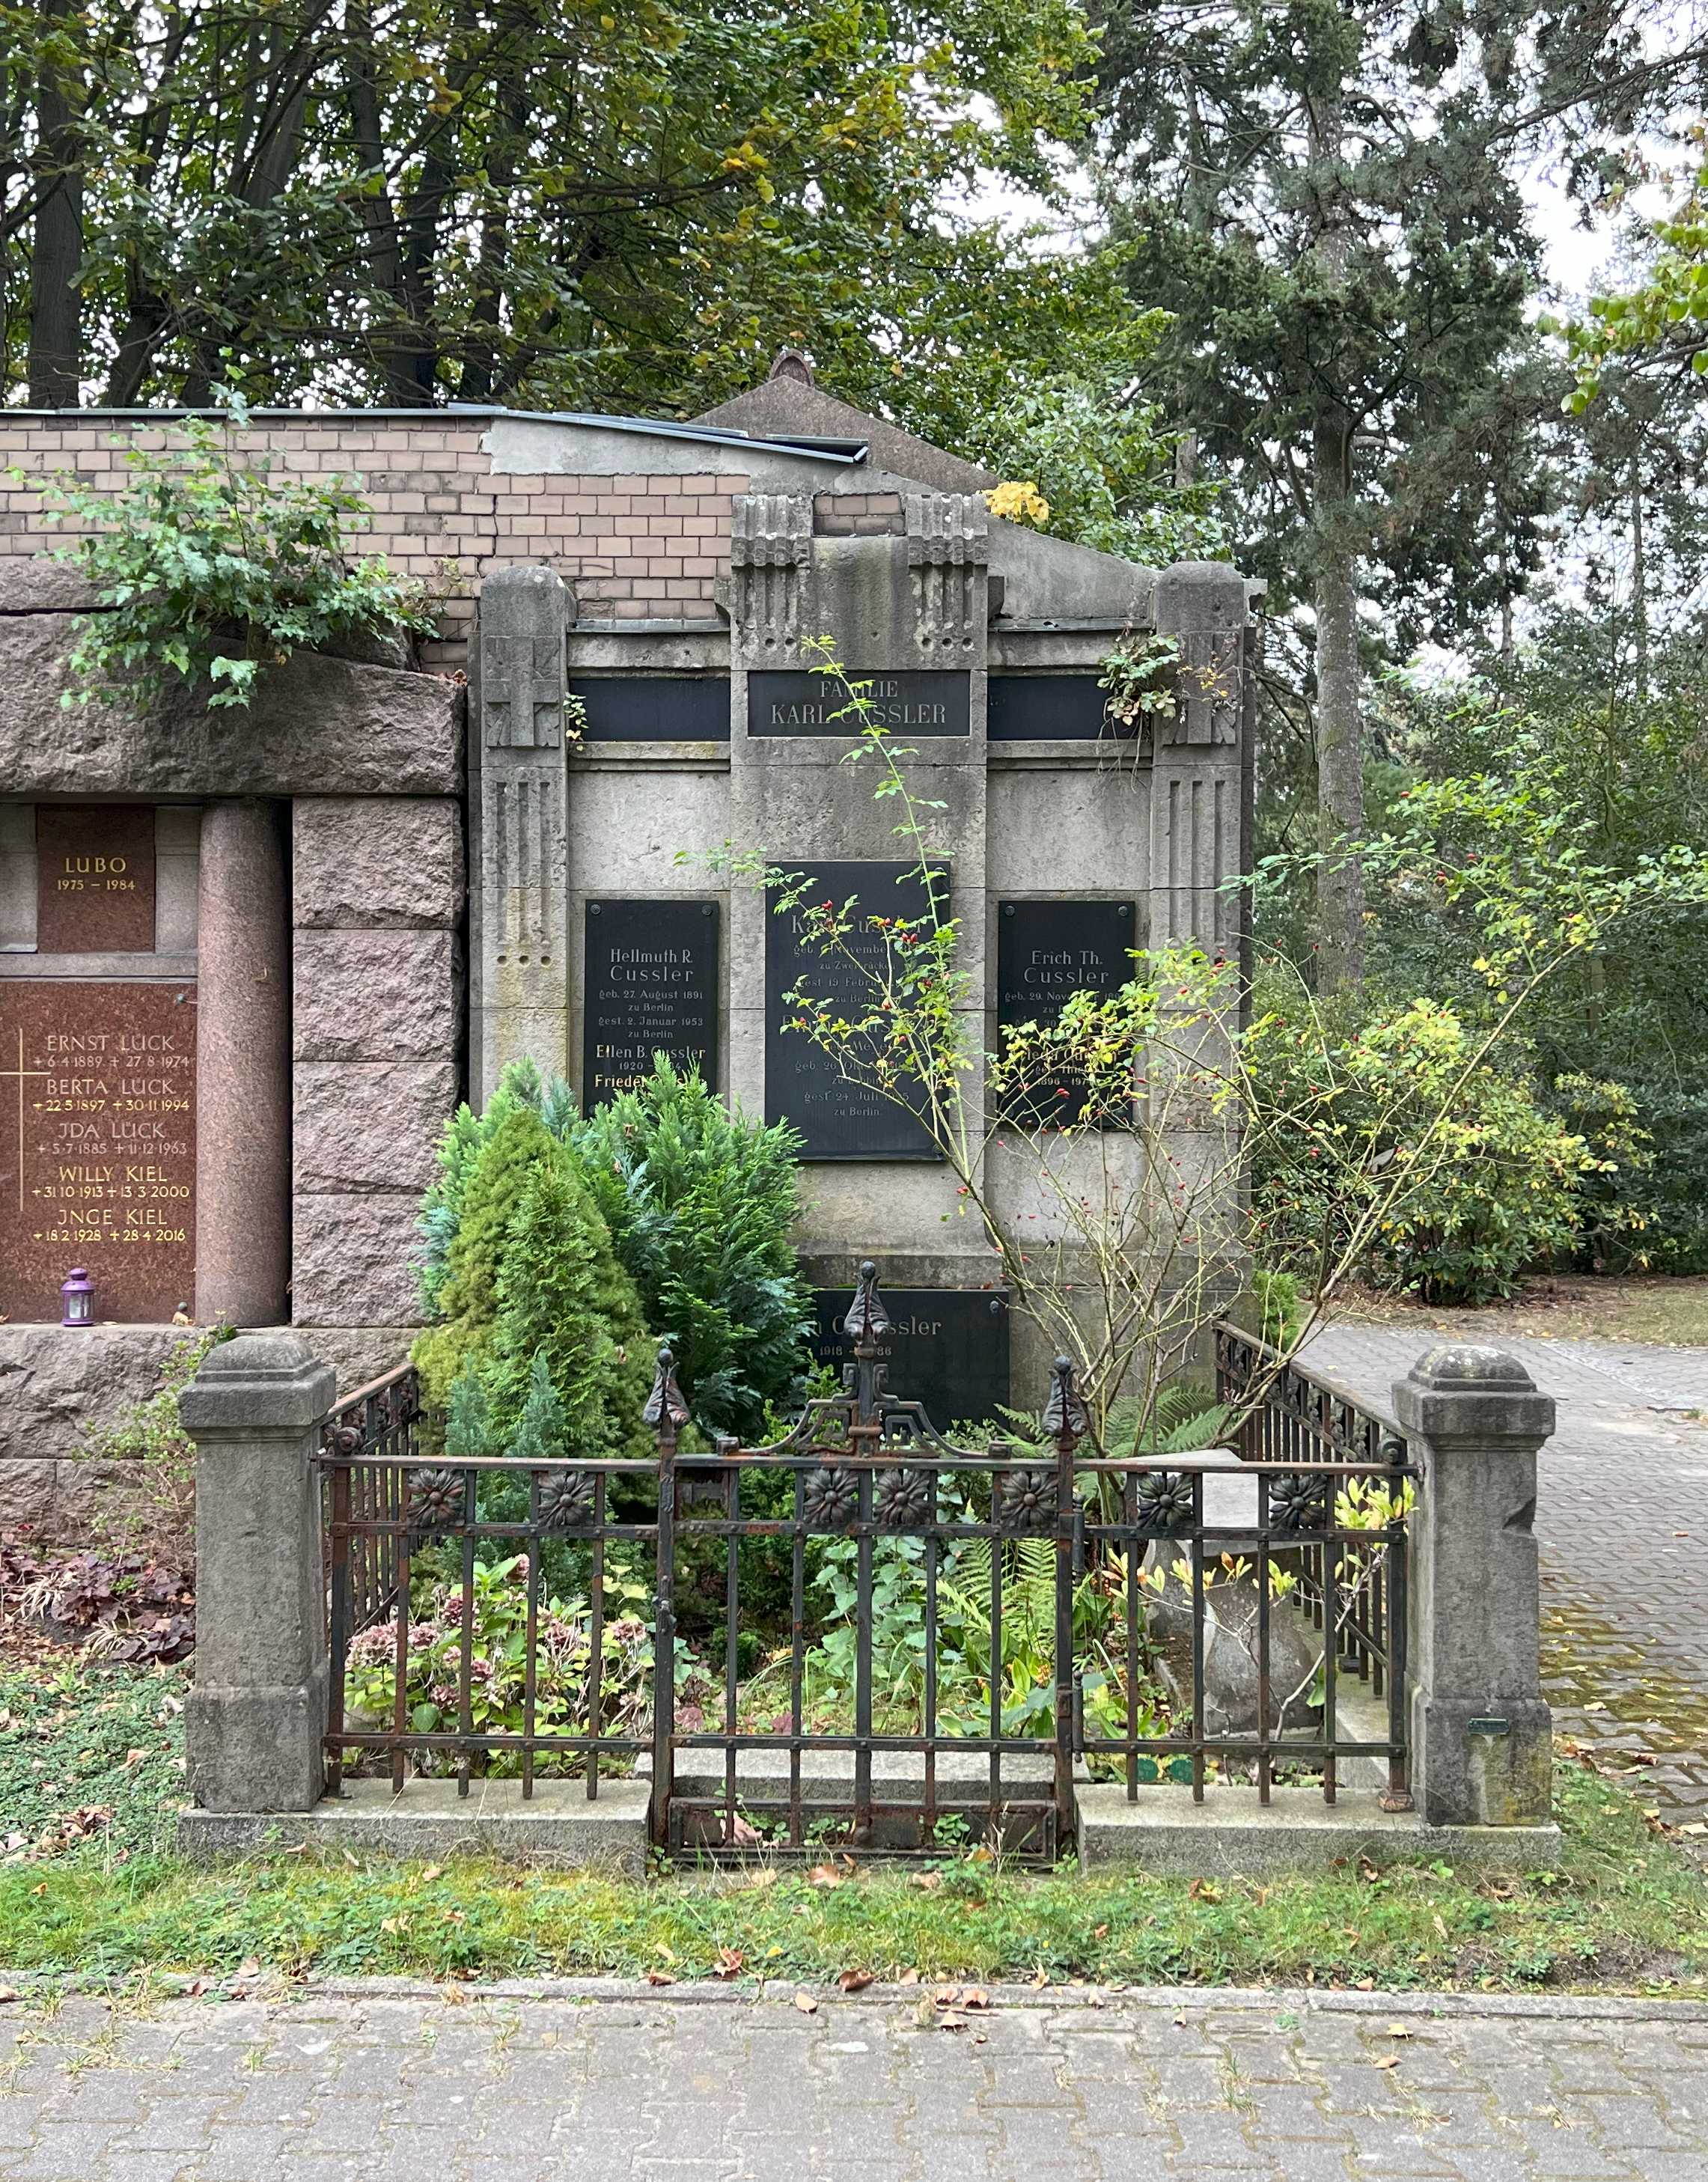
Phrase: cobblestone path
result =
(1622, 1515)
(328, 2089)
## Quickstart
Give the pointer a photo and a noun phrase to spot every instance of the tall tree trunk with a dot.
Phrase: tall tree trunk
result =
(1639, 578)
(56, 263)
(1340, 723)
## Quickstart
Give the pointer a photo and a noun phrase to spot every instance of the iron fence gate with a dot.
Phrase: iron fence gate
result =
(864, 1638)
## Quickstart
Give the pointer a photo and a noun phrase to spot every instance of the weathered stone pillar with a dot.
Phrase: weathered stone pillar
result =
(243, 1066)
(1482, 1734)
(521, 881)
(257, 1711)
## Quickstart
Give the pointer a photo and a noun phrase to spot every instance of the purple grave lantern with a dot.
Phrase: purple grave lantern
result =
(78, 1293)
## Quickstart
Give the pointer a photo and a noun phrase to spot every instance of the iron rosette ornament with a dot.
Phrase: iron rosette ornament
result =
(830, 1498)
(1026, 1500)
(565, 1500)
(437, 1499)
(1165, 1503)
(1298, 1502)
(902, 1500)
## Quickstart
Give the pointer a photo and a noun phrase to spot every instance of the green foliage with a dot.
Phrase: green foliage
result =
(468, 1421)
(91, 1762)
(1466, 1177)
(491, 1193)
(626, 207)
(203, 544)
(1280, 1313)
(1104, 460)
(1661, 316)
(155, 1511)
(563, 1651)
(541, 1433)
(701, 1203)
(568, 1315)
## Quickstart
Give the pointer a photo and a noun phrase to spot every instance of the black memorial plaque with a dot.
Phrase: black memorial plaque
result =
(1046, 951)
(1049, 708)
(650, 986)
(947, 1348)
(917, 702)
(838, 1119)
(654, 708)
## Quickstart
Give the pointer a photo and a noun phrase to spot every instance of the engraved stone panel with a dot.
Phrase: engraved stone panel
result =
(839, 1120)
(97, 1145)
(650, 985)
(94, 878)
(654, 708)
(947, 1348)
(1045, 952)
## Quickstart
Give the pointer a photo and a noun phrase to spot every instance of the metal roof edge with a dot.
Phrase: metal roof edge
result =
(844, 452)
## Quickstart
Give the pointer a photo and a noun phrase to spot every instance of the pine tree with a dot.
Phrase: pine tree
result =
(702, 1203)
(541, 1433)
(563, 1299)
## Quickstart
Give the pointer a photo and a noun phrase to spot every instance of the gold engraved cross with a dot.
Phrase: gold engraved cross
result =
(20, 1071)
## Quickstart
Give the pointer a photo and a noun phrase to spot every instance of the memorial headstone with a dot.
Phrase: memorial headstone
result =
(650, 986)
(94, 878)
(946, 1348)
(915, 701)
(1046, 951)
(838, 1119)
(97, 1144)
(1049, 708)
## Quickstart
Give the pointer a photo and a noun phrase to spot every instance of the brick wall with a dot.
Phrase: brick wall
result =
(857, 514)
(632, 547)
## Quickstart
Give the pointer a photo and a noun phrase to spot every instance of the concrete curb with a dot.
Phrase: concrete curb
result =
(1565, 2007)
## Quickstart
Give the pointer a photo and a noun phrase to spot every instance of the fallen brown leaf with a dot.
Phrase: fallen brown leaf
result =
(805, 2003)
(824, 1875)
(660, 1977)
(1389, 2060)
(854, 1981)
(731, 1962)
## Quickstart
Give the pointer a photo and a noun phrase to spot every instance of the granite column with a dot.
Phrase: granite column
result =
(243, 1040)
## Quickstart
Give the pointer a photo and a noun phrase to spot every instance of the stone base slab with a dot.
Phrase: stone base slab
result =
(1166, 1833)
(555, 1825)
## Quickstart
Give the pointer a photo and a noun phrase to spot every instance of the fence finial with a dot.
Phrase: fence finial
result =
(665, 1409)
(867, 1319)
(1064, 1412)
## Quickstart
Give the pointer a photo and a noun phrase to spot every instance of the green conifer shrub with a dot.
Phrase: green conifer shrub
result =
(468, 1297)
(465, 1135)
(468, 1422)
(563, 1298)
(701, 1205)
(541, 1433)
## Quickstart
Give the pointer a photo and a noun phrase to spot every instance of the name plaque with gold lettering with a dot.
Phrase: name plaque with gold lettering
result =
(97, 1145)
(94, 878)
(910, 701)
(650, 986)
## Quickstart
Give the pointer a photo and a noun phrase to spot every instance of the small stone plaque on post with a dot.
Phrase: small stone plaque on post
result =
(94, 878)
(650, 986)
(97, 1146)
(1046, 951)
(840, 1116)
(947, 1348)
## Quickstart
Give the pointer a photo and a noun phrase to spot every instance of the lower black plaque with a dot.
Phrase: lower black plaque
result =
(1049, 708)
(654, 708)
(650, 986)
(840, 1119)
(913, 701)
(1045, 952)
(946, 1348)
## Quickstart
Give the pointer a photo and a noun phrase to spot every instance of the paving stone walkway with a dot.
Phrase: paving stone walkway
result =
(1622, 1516)
(395, 2089)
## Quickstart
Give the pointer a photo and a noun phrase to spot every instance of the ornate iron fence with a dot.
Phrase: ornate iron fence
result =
(1288, 1412)
(970, 1632)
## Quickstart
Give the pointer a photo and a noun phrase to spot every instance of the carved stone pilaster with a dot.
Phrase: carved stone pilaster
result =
(521, 666)
(771, 566)
(948, 549)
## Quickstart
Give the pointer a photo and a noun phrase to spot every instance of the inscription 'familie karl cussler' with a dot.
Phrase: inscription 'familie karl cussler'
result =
(886, 702)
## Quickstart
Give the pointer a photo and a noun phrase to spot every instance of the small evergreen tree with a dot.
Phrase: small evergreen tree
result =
(564, 1300)
(464, 1137)
(467, 1296)
(468, 1424)
(541, 1432)
(701, 1204)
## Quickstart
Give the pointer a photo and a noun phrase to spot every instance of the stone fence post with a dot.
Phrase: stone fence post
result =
(1482, 1733)
(257, 1711)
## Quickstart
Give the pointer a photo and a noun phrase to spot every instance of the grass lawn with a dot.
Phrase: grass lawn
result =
(105, 1895)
